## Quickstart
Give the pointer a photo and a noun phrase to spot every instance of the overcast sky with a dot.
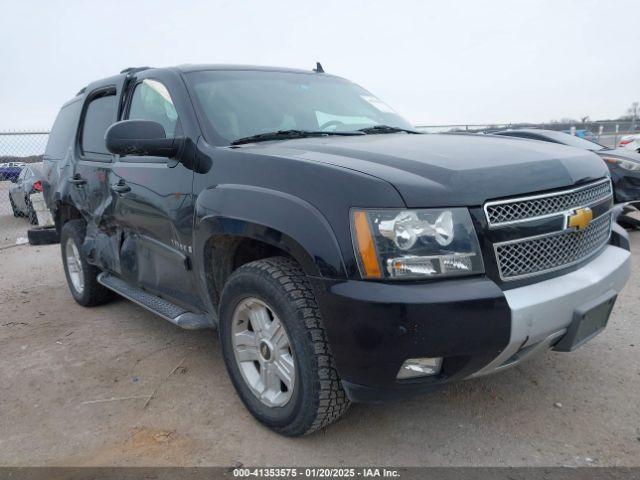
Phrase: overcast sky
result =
(435, 62)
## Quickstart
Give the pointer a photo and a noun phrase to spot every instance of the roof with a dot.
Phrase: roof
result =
(188, 68)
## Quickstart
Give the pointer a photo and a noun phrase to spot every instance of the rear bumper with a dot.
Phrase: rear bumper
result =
(478, 329)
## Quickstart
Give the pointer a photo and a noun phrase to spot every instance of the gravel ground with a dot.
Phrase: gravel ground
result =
(11, 228)
(58, 361)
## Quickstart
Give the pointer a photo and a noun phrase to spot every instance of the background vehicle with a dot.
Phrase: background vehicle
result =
(27, 182)
(342, 255)
(623, 165)
(10, 170)
(631, 142)
(586, 134)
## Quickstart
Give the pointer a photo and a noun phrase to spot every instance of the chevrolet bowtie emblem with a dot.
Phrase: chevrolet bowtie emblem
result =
(580, 218)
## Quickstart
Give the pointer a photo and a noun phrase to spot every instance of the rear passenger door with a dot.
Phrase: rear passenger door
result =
(90, 176)
(155, 208)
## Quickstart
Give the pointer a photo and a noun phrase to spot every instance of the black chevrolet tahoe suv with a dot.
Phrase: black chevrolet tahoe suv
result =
(341, 255)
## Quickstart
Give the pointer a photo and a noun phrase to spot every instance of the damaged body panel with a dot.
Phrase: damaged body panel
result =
(156, 218)
(138, 210)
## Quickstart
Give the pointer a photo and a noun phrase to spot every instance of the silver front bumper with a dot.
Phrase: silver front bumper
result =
(541, 312)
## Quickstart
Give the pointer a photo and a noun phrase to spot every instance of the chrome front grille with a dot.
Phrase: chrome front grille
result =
(504, 212)
(545, 253)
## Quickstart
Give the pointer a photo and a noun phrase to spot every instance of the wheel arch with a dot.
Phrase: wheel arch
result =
(236, 224)
(64, 212)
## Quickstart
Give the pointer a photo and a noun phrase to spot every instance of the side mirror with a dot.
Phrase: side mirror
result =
(141, 137)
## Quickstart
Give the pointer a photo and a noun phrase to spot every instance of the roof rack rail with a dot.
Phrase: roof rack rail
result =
(131, 70)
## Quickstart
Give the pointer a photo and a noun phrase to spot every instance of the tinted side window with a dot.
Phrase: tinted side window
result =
(151, 101)
(100, 115)
(63, 131)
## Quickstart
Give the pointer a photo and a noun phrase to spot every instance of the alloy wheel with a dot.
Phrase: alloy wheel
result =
(74, 265)
(263, 352)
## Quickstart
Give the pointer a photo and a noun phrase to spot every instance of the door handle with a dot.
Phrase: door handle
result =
(121, 187)
(77, 180)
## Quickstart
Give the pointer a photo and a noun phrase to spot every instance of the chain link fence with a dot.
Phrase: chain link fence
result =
(17, 151)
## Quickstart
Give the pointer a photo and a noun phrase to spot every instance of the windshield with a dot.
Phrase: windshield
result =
(573, 140)
(239, 104)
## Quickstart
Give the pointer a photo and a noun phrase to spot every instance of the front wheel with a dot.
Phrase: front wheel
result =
(276, 350)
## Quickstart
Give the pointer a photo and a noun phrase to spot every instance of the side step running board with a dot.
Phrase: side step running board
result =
(161, 307)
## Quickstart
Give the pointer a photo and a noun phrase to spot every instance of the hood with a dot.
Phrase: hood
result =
(432, 170)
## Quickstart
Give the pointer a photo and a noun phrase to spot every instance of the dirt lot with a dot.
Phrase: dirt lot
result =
(59, 361)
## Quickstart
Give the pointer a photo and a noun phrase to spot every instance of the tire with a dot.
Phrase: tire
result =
(85, 288)
(16, 213)
(31, 213)
(316, 398)
(43, 235)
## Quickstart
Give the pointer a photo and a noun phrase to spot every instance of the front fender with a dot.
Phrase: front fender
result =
(276, 218)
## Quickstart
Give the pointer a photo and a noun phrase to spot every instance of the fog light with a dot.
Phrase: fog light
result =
(420, 367)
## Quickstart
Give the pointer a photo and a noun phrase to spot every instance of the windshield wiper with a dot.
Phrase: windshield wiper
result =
(386, 129)
(288, 134)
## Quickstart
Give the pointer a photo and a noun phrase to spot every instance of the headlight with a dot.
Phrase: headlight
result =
(626, 164)
(403, 244)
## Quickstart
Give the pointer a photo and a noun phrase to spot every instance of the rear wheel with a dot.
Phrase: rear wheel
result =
(275, 348)
(81, 276)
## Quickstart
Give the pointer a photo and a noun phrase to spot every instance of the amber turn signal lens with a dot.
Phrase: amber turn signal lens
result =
(366, 247)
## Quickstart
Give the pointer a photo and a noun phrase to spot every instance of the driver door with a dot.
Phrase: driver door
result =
(154, 205)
